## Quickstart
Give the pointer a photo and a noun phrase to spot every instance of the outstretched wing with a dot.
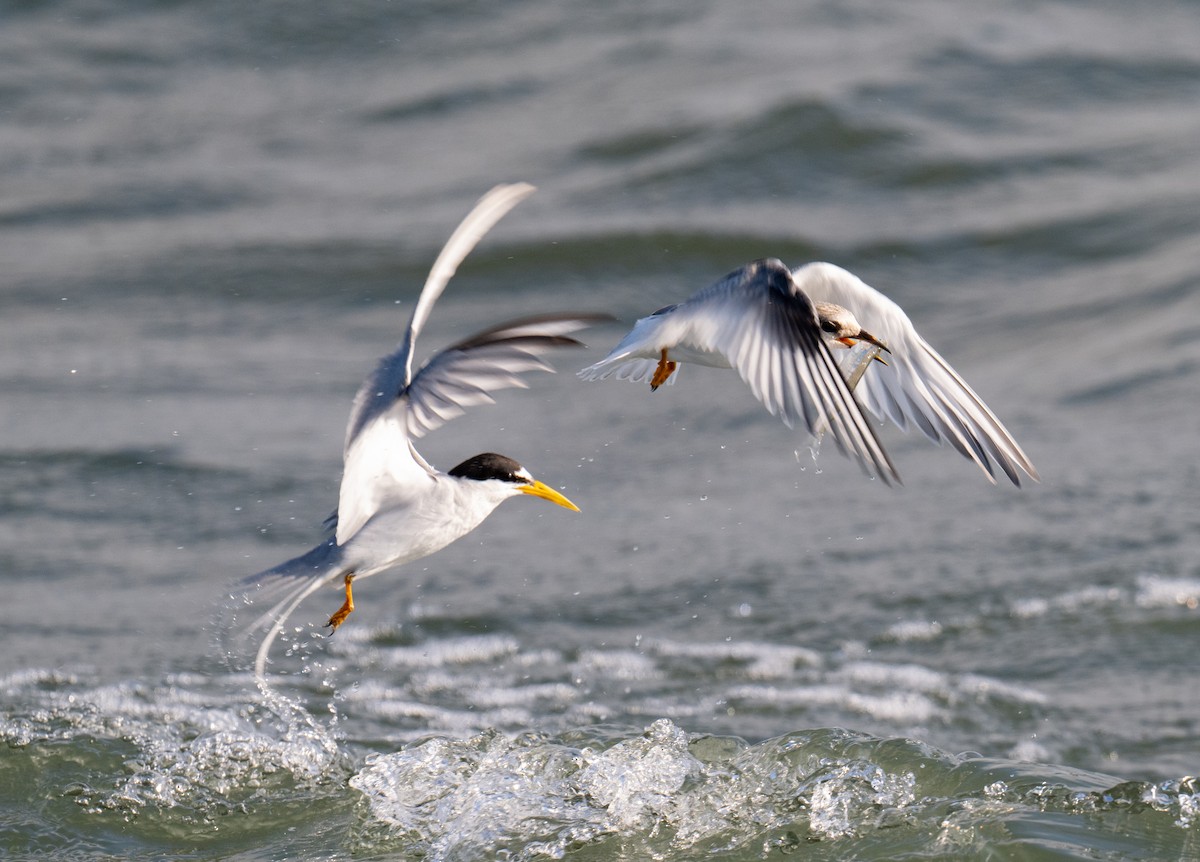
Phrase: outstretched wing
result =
(394, 372)
(465, 374)
(917, 386)
(768, 330)
(381, 463)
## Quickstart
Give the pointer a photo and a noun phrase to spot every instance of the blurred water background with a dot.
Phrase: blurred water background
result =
(215, 217)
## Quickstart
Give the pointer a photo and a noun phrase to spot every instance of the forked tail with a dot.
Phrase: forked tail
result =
(285, 586)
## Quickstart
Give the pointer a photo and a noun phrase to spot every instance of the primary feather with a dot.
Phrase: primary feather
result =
(759, 322)
(917, 387)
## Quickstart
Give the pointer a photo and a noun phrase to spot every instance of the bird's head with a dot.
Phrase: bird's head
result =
(842, 327)
(490, 467)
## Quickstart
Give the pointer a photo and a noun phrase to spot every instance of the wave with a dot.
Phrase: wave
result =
(189, 751)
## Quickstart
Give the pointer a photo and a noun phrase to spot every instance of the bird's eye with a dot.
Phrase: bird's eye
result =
(828, 326)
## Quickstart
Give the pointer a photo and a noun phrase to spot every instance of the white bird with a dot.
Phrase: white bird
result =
(914, 385)
(739, 322)
(761, 322)
(393, 506)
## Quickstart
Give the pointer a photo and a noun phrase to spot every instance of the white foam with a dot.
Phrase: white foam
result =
(764, 660)
(998, 689)
(905, 708)
(451, 651)
(1154, 591)
(637, 780)
(531, 797)
(1072, 601)
(197, 750)
(619, 664)
(847, 794)
(909, 676)
(914, 630)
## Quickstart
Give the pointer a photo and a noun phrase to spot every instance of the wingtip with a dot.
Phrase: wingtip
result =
(508, 193)
(1015, 474)
(883, 469)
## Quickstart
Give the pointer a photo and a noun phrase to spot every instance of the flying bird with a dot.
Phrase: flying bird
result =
(914, 385)
(760, 321)
(393, 505)
(768, 323)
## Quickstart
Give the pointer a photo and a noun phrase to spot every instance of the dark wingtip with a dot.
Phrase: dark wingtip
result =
(489, 335)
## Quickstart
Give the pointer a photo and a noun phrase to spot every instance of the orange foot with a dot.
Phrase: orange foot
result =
(665, 369)
(341, 613)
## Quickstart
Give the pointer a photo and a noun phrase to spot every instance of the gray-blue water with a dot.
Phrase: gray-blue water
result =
(215, 217)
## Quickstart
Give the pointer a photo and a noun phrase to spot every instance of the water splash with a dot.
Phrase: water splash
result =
(178, 746)
(178, 756)
(655, 795)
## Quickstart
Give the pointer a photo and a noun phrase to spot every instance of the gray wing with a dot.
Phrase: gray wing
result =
(465, 374)
(394, 372)
(381, 462)
(767, 329)
(917, 387)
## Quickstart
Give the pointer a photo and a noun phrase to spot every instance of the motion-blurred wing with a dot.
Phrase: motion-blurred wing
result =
(917, 386)
(768, 330)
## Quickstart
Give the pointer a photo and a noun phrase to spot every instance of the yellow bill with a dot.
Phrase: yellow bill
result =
(538, 489)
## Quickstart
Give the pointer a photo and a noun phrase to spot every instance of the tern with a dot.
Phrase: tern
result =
(759, 321)
(393, 505)
(914, 386)
(743, 321)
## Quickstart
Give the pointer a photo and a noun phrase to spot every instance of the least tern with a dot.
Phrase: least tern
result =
(761, 322)
(914, 385)
(736, 322)
(393, 506)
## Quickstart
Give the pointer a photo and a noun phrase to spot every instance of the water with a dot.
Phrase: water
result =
(215, 218)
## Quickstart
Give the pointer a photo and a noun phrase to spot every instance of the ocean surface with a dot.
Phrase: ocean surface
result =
(215, 217)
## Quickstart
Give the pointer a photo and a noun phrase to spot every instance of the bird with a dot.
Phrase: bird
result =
(759, 321)
(393, 505)
(913, 386)
(736, 322)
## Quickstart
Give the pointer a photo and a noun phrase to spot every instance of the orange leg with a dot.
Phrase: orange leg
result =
(341, 613)
(666, 368)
